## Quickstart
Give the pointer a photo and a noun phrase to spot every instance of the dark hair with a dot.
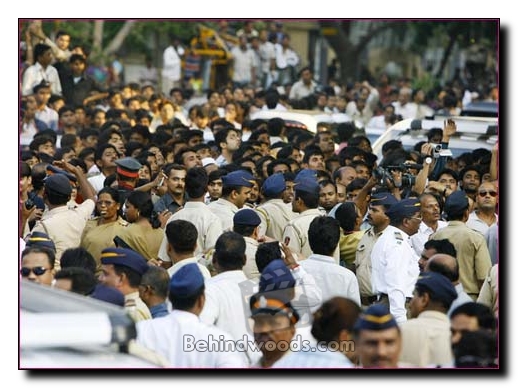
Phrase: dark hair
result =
(448, 171)
(229, 251)
(275, 126)
(51, 256)
(323, 235)
(243, 230)
(266, 253)
(355, 184)
(78, 257)
(485, 317)
(186, 303)
(82, 280)
(142, 201)
(346, 215)
(311, 200)
(332, 317)
(345, 131)
(196, 182)
(157, 278)
(182, 236)
(134, 277)
(476, 349)
(215, 175)
(310, 151)
(277, 162)
(40, 49)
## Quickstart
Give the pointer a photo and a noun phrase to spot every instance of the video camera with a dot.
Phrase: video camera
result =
(384, 174)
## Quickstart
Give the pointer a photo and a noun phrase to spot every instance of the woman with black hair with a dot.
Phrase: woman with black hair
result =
(144, 234)
(99, 232)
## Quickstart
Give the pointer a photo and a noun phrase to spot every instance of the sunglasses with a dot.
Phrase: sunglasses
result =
(484, 193)
(38, 271)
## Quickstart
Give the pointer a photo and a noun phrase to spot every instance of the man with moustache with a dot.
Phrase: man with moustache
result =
(431, 222)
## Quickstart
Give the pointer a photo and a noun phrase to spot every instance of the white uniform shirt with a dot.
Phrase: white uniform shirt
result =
(206, 222)
(331, 278)
(225, 210)
(421, 237)
(227, 307)
(394, 269)
(174, 336)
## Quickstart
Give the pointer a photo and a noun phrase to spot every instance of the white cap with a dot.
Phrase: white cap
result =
(207, 161)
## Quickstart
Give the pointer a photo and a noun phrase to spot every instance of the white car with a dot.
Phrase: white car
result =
(472, 133)
(59, 330)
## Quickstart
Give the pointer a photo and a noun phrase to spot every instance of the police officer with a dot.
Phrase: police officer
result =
(274, 213)
(394, 263)
(123, 269)
(127, 177)
(379, 221)
(305, 202)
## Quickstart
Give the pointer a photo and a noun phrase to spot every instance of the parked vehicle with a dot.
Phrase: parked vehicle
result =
(60, 329)
(472, 133)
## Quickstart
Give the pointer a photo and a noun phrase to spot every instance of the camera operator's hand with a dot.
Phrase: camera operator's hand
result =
(450, 128)
(397, 177)
(426, 149)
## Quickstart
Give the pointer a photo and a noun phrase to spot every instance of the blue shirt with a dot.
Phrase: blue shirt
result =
(160, 310)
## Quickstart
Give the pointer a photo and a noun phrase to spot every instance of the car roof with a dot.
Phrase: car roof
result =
(472, 133)
(61, 329)
(302, 119)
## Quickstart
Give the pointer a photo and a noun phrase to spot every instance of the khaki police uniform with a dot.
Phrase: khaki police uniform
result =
(275, 215)
(472, 254)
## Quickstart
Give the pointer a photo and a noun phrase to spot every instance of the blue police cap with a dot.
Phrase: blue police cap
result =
(263, 304)
(404, 208)
(308, 185)
(306, 173)
(40, 239)
(247, 217)
(276, 276)
(383, 199)
(456, 202)
(58, 183)
(375, 317)
(108, 294)
(187, 281)
(238, 178)
(274, 185)
(126, 257)
(51, 170)
(438, 286)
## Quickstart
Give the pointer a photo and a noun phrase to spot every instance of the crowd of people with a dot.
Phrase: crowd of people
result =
(245, 243)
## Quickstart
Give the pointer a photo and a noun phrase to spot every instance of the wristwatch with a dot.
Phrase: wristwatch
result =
(428, 160)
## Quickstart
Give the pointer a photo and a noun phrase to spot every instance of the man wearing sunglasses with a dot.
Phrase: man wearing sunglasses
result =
(38, 265)
(485, 214)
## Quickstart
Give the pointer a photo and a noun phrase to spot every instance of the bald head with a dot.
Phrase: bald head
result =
(445, 265)
(345, 175)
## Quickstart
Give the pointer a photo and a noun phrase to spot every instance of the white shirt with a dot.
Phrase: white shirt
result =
(174, 336)
(172, 64)
(206, 222)
(97, 181)
(300, 90)
(34, 74)
(243, 62)
(407, 111)
(421, 237)
(477, 224)
(331, 278)
(176, 266)
(267, 53)
(319, 358)
(394, 269)
(227, 307)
